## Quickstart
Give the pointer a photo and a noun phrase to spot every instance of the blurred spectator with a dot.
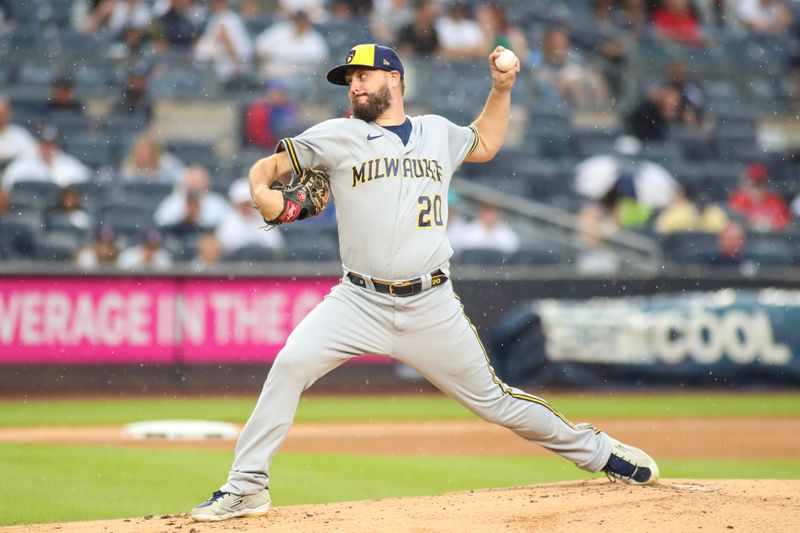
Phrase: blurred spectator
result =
(690, 213)
(487, 230)
(269, 113)
(69, 209)
(176, 26)
(5, 202)
(731, 243)
(148, 161)
(498, 30)
(420, 36)
(135, 99)
(243, 226)
(148, 255)
(15, 141)
(460, 37)
(209, 252)
(632, 18)
(718, 16)
(765, 16)
(46, 163)
(189, 225)
(628, 187)
(764, 208)
(611, 43)
(114, 15)
(287, 49)
(455, 222)
(7, 22)
(561, 75)
(388, 18)
(131, 44)
(675, 21)
(691, 103)
(651, 118)
(62, 98)
(102, 251)
(213, 207)
(315, 9)
(595, 225)
(225, 42)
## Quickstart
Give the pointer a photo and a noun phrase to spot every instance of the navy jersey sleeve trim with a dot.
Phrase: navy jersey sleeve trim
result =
(286, 144)
(475, 141)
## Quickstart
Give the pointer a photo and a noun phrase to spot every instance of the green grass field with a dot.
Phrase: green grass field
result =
(46, 483)
(98, 412)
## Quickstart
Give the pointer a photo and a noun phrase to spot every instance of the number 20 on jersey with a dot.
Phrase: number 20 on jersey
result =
(430, 212)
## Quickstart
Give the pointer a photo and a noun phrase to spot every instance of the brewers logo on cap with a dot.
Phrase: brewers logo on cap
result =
(370, 56)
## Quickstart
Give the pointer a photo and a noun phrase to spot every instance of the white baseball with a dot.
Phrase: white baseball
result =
(505, 61)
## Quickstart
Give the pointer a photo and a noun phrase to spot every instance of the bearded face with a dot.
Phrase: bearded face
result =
(369, 106)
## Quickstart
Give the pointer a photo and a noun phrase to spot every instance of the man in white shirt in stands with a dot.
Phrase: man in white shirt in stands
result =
(287, 49)
(487, 231)
(460, 36)
(15, 141)
(46, 163)
(225, 41)
(243, 226)
(213, 207)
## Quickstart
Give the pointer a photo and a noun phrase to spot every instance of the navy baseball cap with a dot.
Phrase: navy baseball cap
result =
(367, 55)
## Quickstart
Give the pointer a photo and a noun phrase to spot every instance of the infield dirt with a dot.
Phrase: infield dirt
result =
(597, 505)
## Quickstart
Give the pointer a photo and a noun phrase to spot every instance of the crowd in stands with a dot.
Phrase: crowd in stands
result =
(137, 199)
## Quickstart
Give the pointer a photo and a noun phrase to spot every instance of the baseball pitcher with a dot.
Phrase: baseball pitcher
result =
(389, 174)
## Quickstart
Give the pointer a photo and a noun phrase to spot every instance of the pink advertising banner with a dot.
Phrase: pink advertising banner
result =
(70, 320)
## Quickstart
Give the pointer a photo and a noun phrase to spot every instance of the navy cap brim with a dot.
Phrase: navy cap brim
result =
(337, 74)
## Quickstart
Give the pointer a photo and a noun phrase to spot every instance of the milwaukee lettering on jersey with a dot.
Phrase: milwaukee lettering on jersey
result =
(395, 167)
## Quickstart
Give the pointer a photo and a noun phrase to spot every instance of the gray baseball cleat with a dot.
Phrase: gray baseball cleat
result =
(631, 465)
(224, 505)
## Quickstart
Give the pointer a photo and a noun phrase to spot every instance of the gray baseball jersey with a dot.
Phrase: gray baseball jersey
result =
(391, 199)
(391, 205)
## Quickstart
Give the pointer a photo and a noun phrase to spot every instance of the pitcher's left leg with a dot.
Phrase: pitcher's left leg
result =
(441, 344)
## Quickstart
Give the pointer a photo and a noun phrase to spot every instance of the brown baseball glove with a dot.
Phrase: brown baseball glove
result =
(304, 197)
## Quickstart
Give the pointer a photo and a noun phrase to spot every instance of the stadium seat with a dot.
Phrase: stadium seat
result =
(316, 247)
(483, 256)
(770, 249)
(195, 153)
(35, 73)
(146, 193)
(38, 193)
(128, 220)
(720, 178)
(254, 254)
(692, 142)
(595, 141)
(535, 255)
(57, 246)
(18, 235)
(61, 223)
(95, 151)
(689, 247)
(94, 194)
(666, 154)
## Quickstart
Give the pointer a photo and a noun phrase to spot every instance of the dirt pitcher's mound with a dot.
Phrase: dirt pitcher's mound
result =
(671, 505)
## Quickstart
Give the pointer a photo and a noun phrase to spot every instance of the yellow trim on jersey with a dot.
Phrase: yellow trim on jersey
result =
(363, 54)
(287, 142)
(474, 142)
(515, 394)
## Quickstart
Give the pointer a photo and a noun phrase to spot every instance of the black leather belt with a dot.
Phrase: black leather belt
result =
(399, 288)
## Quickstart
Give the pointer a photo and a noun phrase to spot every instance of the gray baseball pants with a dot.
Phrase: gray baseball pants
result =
(427, 331)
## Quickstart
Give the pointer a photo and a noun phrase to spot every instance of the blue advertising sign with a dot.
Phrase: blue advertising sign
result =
(723, 337)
